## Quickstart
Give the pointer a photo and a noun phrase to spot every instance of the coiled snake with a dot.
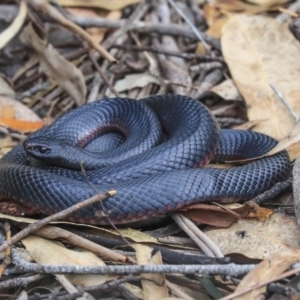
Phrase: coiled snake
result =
(152, 167)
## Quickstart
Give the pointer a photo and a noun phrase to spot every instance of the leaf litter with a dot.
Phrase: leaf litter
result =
(46, 70)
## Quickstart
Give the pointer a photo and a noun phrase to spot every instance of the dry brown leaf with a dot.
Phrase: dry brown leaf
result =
(291, 143)
(154, 285)
(5, 87)
(21, 126)
(109, 5)
(268, 2)
(8, 34)
(227, 90)
(224, 217)
(237, 6)
(55, 66)
(10, 108)
(172, 298)
(135, 290)
(209, 214)
(260, 51)
(6, 144)
(215, 29)
(267, 270)
(135, 80)
(136, 235)
(48, 9)
(248, 125)
(17, 116)
(200, 50)
(96, 33)
(44, 251)
(211, 13)
(18, 219)
(258, 238)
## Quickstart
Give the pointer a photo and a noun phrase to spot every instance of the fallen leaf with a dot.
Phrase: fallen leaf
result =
(135, 80)
(15, 115)
(46, 8)
(215, 29)
(154, 285)
(268, 2)
(18, 219)
(258, 50)
(236, 6)
(248, 125)
(210, 215)
(171, 298)
(8, 34)
(224, 217)
(258, 238)
(109, 5)
(96, 33)
(200, 49)
(5, 87)
(7, 142)
(137, 235)
(44, 251)
(291, 143)
(21, 126)
(212, 13)
(227, 90)
(268, 269)
(66, 75)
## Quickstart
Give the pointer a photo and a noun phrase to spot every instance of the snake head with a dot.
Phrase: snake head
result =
(44, 149)
(53, 151)
(37, 147)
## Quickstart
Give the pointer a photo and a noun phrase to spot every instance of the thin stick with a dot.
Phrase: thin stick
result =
(280, 96)
(231, 269)
(187, 20)
(52, 232)
(200, 238)
(62, 214)
(137, 14)
(102, 74)
(274, 191)
(20, 281)
(204, 58)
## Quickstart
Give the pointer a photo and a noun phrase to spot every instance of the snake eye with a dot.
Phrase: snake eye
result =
(43, 149)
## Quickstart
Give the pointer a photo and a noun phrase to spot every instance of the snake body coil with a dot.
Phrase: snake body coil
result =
(153, 169)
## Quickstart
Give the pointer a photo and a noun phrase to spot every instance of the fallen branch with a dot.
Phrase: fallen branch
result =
(231, 269)
(200, 58)
(60, 215)
(274, 191)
